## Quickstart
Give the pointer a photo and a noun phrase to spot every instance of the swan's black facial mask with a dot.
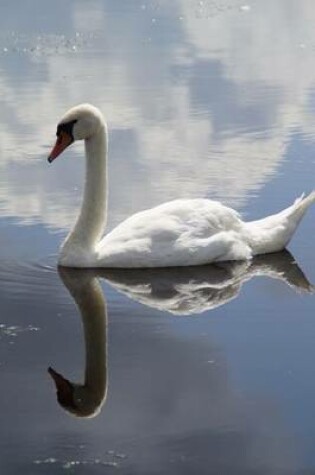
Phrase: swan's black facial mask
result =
(64, 139)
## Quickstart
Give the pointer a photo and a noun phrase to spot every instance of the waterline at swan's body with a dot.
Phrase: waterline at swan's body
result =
(178, 233)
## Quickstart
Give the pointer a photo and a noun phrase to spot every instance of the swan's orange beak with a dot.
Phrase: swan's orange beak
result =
(63, 141)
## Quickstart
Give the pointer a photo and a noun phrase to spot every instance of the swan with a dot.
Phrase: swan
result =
(183, 232)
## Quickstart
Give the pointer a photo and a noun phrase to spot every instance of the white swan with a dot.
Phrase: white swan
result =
(183, 232)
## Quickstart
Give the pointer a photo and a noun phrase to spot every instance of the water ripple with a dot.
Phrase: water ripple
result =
(29, 280)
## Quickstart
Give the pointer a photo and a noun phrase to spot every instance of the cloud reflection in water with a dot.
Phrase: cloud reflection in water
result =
(196, 107)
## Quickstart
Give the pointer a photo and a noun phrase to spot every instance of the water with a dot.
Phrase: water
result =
(205, 370)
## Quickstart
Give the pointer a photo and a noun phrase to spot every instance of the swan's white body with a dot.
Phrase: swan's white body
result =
(177, 233)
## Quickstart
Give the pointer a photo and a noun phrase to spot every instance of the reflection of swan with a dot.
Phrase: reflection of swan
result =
(197, 289)
(178, 233)
(86, 400)
(179, 291)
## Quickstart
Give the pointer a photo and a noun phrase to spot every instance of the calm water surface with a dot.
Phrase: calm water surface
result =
(208, 370)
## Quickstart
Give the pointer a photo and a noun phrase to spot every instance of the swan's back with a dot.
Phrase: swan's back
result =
(177, 233)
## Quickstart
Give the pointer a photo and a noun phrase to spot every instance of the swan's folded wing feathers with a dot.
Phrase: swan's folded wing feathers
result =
(170, 221)
(181, 231)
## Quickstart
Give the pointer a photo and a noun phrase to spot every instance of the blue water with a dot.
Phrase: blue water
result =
(204, 370)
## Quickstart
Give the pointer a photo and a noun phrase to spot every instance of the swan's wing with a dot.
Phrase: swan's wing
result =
(181, 232)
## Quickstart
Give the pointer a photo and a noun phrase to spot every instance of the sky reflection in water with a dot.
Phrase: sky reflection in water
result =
(210, 99)
(200, 101)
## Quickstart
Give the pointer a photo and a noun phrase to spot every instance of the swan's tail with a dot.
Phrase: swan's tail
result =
(303, 202)
(299, 207)
(273, 233)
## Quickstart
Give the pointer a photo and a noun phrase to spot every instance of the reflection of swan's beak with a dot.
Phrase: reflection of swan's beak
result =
(63, 141)
(64, 388)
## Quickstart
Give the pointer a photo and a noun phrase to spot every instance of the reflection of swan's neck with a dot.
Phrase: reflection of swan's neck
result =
(93, 311)
(85, 400)
(91, 222)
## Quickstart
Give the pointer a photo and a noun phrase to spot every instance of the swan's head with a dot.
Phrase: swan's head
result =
(79, 123)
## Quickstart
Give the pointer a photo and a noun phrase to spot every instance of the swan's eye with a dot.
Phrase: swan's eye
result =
(66, 127)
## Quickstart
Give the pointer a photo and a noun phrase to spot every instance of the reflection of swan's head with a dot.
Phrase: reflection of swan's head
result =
(65, 390)
(74, 398)
(79, 123)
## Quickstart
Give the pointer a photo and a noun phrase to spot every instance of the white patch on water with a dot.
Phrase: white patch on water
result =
(13, 331)
(69, 464)
(44, 45)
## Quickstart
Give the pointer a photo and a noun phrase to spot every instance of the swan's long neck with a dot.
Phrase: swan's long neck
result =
(91, 222)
